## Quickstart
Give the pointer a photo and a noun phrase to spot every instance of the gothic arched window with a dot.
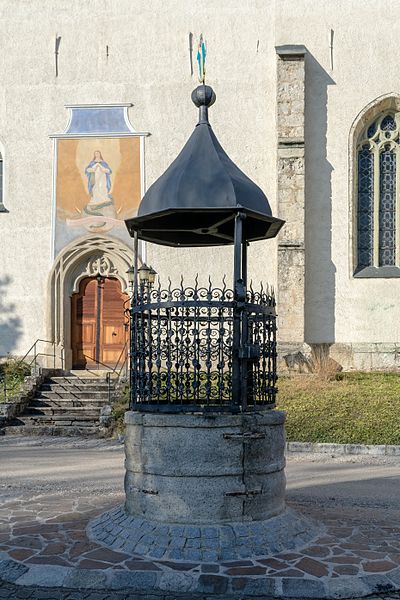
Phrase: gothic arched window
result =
(378, 185)
(2, 207)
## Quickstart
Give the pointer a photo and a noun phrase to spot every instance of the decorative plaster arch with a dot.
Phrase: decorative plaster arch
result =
(384, 103)
(85, 257)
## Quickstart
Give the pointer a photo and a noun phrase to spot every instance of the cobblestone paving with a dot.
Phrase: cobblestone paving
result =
(204, 543)
(47, 542)
(50, 530)
(9, 591)
(45, 551)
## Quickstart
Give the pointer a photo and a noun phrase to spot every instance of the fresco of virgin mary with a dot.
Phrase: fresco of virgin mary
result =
(98, 173)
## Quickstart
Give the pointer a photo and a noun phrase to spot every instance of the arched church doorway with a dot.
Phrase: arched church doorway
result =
(99, 331)
(87, 258)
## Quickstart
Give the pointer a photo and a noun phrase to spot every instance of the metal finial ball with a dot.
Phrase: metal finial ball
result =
(203, 95)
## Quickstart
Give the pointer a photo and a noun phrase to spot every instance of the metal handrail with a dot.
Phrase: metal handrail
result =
(116, 380)
(124, 364)
(111, 370)
(33, 362)
(98, 362)
(36, 354)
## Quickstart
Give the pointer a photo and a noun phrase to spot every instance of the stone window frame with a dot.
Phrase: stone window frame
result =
(2, 179)
(386, 104)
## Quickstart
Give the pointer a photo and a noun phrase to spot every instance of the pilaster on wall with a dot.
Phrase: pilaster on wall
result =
(290, 194)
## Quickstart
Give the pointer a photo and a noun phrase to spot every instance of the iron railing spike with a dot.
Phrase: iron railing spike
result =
(223, 289)
(209, 290)
(158, 288)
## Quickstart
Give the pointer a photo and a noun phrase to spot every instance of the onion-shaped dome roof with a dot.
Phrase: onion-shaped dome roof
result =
(195, 201)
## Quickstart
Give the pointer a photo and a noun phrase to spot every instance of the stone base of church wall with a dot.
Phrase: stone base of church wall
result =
(298, 357)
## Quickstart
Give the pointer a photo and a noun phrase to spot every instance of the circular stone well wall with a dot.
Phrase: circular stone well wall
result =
(205, 469)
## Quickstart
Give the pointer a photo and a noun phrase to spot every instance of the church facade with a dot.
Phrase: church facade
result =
(308, 106)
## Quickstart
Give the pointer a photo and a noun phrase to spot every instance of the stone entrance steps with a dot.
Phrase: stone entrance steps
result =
(65, 405)
(45, 412)
(58, 386)
(82, 395)
(41, 402)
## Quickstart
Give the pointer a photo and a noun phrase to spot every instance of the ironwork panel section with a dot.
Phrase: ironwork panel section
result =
(182, 349)
(387, 207)
(365, 207)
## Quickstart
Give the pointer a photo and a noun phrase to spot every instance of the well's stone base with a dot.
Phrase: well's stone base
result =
(197, 469)
(207, 543)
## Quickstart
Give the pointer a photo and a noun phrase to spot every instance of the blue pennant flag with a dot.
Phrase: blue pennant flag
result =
(201, 59)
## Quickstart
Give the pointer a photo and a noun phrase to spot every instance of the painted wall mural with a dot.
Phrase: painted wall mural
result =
(98, 176)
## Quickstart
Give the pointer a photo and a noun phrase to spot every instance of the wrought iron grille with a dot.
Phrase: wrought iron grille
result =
(182, 349)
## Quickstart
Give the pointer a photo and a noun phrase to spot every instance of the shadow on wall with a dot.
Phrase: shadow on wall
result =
(10, 324)
(319, 270)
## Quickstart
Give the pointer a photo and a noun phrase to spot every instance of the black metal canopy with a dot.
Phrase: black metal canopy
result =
(194, 203)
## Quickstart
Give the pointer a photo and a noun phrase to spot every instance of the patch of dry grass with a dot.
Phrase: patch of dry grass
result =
(353, 408)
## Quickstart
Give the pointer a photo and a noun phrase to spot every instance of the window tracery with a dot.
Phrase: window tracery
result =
(2, 207)
(378, 219)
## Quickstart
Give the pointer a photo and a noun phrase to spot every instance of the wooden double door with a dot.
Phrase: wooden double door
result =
(99, 331)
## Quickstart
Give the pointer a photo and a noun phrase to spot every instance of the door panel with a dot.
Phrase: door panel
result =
(98, 323)
(113, 335)
(83, 320)
(88, 331)
(113, 330)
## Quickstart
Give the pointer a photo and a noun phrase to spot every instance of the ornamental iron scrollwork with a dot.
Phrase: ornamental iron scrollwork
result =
(182, 348)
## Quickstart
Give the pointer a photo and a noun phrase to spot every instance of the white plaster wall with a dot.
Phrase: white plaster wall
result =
(338, 307)
(148, 65)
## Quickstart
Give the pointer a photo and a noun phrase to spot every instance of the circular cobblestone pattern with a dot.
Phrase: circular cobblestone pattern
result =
(120, 531)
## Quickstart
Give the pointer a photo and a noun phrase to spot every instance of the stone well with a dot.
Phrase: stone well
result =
(197, 469)
(205, 488)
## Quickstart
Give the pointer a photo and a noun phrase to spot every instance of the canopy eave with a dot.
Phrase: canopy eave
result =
(199, 227)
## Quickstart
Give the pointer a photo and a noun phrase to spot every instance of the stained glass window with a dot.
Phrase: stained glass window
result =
(1, 178)
(387, 208)
(388, 123)
(377, 152)
(2, 207)
(365, 206)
